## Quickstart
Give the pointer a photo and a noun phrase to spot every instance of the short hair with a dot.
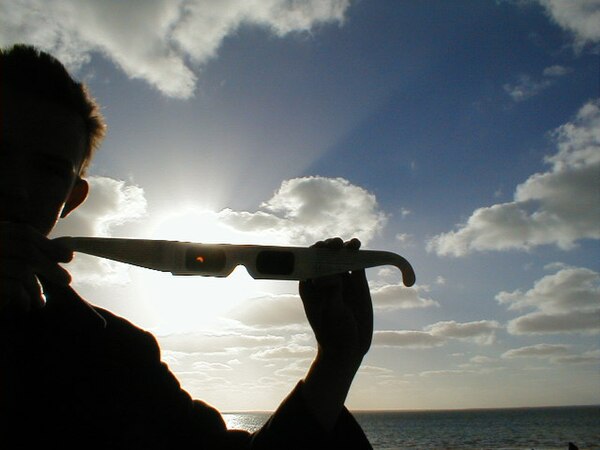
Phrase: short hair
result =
(28, 70)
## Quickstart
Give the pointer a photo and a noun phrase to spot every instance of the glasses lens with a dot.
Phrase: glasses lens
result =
(274, 262)
(206, 260)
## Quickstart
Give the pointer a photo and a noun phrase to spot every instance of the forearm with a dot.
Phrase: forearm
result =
(326, 387)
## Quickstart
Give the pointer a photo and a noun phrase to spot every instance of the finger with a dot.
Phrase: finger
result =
(54, 250)
(59, 250)
(33, 261)
(39, 299)
(24, 261)
(352, 244)
(35, 297)
(52, 272)
(19, 297)
(23, 238)
(333, 243)
(17, 274)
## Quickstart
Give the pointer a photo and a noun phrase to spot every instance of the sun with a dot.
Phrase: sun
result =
(191, 303)
(192, 224)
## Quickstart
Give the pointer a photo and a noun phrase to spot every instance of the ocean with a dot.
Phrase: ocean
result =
(514, 428)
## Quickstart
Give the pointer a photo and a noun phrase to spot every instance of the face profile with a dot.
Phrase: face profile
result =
(42, 148)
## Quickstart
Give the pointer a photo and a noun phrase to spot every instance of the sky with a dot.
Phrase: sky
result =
(463, 135)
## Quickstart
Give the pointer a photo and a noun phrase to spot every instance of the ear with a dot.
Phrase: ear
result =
(78, 194)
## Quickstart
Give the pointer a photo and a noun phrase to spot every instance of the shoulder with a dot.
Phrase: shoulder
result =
(127, 337)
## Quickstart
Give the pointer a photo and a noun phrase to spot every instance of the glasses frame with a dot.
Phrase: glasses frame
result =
(219, 260)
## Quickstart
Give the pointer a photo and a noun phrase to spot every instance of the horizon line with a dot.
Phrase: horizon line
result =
(485, 408)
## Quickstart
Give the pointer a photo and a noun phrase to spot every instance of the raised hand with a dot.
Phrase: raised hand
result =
(340, 312)
(339, 309)
(26, 254)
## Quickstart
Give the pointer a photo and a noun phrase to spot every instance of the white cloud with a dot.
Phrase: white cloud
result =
(565, 302)
(405, 239)
(407, 338)
(387, 272)
(544, 323)
(286, 310)
(556, 207)
(154, 40)
(210, 366)
(111, 203)
(291, 351)
(567, 290)
(215, 343)
(556, 71)
(480, 359)
(555, 266)
(590, 357)
(297, 368)
(537, 351)
(481, 332)
(376, 371)
(397, 296)
(527, 87)
(581, 18)
(555, 353)
(271, 311)
(447, 372)
(312, 208)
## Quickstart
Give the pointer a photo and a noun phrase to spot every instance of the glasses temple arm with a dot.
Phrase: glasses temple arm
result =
(373, 258)
(151, 254)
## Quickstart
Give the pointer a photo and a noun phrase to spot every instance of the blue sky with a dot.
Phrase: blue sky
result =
(462, 135)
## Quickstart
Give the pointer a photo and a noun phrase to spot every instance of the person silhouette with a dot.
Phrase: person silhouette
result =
(76, 375)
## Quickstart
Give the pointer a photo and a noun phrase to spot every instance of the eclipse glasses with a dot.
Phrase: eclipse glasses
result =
(219, 260)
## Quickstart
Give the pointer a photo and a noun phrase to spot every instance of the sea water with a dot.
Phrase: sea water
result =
(514, 428)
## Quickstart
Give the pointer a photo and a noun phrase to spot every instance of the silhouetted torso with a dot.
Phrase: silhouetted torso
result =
(80, 376)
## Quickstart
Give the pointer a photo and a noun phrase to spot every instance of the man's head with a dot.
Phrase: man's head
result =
(26, 70)
(50, 128)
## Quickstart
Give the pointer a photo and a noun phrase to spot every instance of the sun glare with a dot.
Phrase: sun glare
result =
(190, 303)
